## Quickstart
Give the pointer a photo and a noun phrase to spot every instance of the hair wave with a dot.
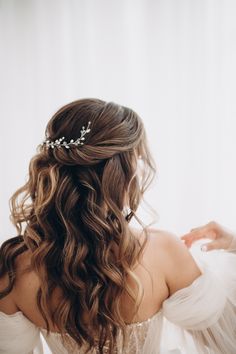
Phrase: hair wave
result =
(73, 215)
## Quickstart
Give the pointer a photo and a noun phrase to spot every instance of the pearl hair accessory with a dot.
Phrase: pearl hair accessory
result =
(60, 143)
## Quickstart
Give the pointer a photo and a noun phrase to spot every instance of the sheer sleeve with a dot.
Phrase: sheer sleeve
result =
(18, 335)
(202, 316)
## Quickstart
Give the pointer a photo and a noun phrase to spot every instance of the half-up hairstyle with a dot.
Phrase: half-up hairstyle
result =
(73, 215)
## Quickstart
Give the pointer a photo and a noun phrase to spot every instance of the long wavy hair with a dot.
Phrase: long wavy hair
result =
(73, 216)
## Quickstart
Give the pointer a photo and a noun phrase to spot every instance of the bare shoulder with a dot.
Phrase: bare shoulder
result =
(26, 289)
(23, 296)
(8, 303)
(169, 255)
(26, 279)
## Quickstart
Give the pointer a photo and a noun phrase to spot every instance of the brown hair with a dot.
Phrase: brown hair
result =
(73, 215)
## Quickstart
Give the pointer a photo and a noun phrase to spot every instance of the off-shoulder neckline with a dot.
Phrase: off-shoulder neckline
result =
(129, 325)
(17, 313)
(133, 324)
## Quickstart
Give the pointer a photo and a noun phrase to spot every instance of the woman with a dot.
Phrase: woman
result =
(79, 274)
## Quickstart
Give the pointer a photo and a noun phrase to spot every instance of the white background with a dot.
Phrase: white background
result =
(172, 61)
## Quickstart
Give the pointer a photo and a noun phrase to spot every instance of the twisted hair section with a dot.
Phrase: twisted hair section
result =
(71, 215)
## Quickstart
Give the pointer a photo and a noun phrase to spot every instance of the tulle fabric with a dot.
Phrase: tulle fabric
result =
(201, 318)
(198, 319)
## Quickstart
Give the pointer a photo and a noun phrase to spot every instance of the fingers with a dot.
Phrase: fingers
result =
(187, 243)
(220, 236)
(206, 231)
(194, 235)
(214, 245)
(196, 228)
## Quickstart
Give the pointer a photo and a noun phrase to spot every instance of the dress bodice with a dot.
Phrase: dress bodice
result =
(136, 333)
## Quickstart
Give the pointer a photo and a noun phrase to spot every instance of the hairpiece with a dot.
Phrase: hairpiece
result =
(61, 142)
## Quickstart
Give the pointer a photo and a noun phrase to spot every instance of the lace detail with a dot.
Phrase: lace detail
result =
(136, 334)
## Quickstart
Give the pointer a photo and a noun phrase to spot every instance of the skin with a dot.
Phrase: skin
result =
(221, 238)
(165, 267)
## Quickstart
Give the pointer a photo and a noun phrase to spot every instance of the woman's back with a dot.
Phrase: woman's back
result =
(196, 301)
(165, 266)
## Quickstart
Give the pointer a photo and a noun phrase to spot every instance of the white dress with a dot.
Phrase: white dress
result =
(200, 318)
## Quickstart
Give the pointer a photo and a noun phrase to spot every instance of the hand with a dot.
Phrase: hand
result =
(220, 236)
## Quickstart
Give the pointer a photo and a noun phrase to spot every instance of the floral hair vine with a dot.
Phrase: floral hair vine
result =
(61, 142)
